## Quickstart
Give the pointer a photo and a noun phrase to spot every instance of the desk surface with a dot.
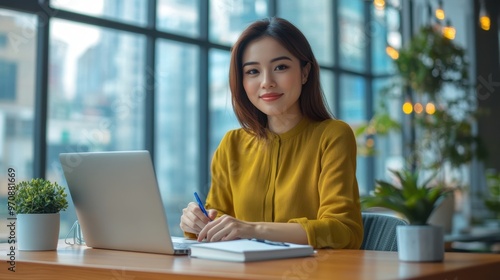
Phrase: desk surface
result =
(81, 262)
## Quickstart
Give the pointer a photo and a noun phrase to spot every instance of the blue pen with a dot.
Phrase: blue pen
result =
(269, 242)
(200, 204)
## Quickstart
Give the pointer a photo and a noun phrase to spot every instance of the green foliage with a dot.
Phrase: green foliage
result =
(492, 202)
(430, 60)
(412, 200)
(39, 196)
(451, 140)
(380, 124)
(427, 63)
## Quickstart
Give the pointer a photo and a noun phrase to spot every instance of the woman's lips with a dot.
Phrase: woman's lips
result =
(271, 96)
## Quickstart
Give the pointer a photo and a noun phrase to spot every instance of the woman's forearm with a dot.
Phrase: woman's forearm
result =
(284, 232)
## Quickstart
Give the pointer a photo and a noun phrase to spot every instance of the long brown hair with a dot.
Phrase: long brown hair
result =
(311, 100)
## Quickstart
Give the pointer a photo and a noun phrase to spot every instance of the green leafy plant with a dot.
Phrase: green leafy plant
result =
(410, 198)
(430, 60)
(450, 140)
(492, 201)
(381, 124)
(39, 196)
(427, 63)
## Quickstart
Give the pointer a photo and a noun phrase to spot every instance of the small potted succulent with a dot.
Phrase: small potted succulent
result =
(415, 201)
(37, 205)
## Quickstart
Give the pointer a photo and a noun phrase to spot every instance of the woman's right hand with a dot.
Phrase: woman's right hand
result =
(193, 220)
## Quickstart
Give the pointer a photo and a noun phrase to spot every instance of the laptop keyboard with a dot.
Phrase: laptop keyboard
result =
(181, 245)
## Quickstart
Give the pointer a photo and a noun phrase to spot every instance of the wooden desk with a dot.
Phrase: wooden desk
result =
(80, 262)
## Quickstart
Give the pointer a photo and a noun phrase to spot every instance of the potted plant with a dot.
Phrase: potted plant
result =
(37, 205)
(442, 140)
(415, 201)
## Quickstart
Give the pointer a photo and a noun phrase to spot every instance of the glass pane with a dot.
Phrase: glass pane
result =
(96, 95)
(228, 18)
(361, 175)
(318, 29)
(353, 111)
(352, 34)
(17, 99)
(389, 148)
(222, 116)
(132, 11)
(352, 99)
(384, 32)
(177, 127)
(179, 16)
(328, 86)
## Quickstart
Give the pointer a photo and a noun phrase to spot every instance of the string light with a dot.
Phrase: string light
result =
(485, 22)
(407, 108)
(484, 18)
(392, 52)
(439, 11)
(449, 31)
(430, 108)
(418, 108)
(379, 4)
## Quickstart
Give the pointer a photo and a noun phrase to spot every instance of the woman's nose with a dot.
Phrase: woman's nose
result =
(268, 80)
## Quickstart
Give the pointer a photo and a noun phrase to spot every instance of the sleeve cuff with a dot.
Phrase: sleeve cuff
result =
(304, 222)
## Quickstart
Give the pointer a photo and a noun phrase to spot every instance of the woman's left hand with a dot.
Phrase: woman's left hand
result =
(226, 228)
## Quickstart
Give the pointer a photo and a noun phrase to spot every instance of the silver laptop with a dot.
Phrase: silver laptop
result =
(118, 202)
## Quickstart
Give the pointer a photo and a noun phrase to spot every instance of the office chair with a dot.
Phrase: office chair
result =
(380, 232)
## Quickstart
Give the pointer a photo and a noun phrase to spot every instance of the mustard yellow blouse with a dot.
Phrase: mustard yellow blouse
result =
(306, 175)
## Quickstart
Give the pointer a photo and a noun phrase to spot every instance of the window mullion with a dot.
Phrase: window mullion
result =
(150, 80)
(204, 106)
(41, 93)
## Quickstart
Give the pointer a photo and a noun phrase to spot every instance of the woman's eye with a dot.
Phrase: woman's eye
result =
(251, 72)
(281, 67)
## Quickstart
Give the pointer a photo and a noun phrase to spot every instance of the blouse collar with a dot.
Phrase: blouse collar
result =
(297, 129)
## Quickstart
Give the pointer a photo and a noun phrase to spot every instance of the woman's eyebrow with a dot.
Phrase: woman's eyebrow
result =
(281, 58)
(272, 60)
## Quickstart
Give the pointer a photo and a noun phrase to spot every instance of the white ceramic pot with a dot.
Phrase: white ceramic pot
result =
(420, 243)
(443, 214)
(37, 232)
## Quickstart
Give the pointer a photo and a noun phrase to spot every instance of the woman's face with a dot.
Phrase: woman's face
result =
(273, 77)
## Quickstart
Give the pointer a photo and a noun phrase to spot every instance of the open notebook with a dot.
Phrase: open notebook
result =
(247, 250)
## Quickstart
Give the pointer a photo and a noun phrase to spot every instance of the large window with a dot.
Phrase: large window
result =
(228, 18)
(8, 80)
(17, 100)
(353, 35)
(96, 93)
(128, 75)
(131, 11)
(221, 111)
(319, 29)
(177, 125)
(179, 16)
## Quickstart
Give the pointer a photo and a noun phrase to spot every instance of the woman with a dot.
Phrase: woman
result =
(289, 173)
